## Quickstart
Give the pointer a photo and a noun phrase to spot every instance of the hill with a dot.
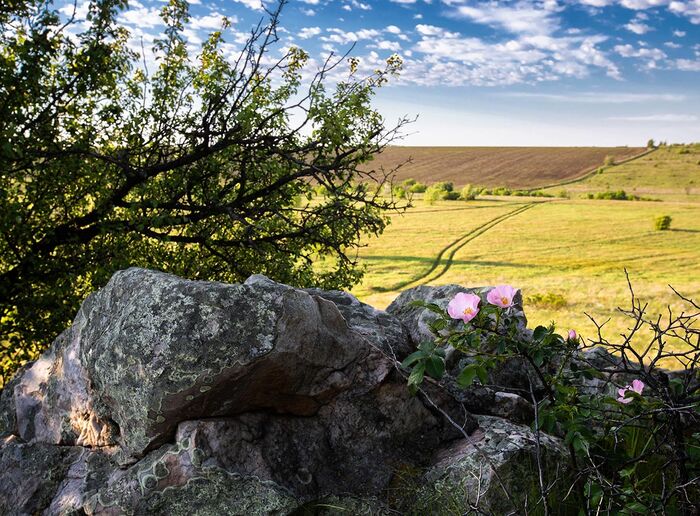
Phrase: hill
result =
(515, 167)
(669, 173)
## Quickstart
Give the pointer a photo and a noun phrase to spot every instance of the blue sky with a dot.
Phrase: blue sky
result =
(523, 72)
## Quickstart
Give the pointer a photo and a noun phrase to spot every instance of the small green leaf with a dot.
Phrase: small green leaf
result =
(435, 367)
(467, 376)
(416, 376)
(412, 358)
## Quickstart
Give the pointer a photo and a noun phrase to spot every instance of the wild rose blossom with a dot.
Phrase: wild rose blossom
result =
(464, 306)
(502, 296)
(637, 386)
(572, 335)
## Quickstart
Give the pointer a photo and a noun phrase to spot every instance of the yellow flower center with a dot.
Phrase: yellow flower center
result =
(505, 300)
(468, 310)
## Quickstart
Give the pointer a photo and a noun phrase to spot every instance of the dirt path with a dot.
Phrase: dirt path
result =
(443, 260)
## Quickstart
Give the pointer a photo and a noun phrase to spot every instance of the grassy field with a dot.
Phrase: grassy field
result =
(520, 167)
(571, 251)
(668, 173)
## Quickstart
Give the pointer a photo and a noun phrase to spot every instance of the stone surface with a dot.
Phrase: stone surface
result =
(496, 471)
(176, 397)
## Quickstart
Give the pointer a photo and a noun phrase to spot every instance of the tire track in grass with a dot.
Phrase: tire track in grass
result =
(455, 246)
(479, 231)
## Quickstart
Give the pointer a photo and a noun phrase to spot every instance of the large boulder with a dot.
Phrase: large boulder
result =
(169, 396)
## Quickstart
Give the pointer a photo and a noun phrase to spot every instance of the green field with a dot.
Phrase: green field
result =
(574, 248)
(668, 173)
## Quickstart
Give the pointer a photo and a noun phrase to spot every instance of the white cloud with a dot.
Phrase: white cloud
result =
(638, 27)
(311, 2)
(389, 45)
(689, 9)
(628, 50)
(309, 32)
(251, 4)
(668, 117)
(418, 16)
(142, 17)
(671, 44)
(521, 18)
(212, 21)
(600, 97)
(342, 37)
(688, 65)
(393, 29)
(679, 33)
(308, 12)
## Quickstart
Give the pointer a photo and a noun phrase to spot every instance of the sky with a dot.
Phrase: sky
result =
(516, 73)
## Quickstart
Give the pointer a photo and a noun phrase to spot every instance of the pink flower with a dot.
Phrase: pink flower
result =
(637, 386)
(464, 306)
(502, 296)
(572, 335)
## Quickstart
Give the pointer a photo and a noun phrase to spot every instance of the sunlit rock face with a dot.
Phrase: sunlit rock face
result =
(169, 396)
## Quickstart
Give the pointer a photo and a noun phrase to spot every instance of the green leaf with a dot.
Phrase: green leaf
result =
(539, 333)
(467, 376)
(412, 358)
(435, 367)
(416, 376)
(483, 374)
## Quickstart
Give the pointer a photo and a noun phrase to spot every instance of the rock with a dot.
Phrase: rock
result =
(378, 326)
(169, 396)
(417, 319)
(496, 471)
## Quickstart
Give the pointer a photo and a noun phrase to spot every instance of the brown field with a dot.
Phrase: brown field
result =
(514, 167)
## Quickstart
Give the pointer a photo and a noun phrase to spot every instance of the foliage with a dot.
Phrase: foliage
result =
(650, 143)
(204, 167)
(550, 300)
(441, 191)
(634, 446)
(609, 161)
(618, 195)
(468, 193)
(418, 188)
(662, 223)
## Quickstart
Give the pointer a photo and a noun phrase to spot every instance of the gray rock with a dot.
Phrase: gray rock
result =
(496, 471)
(417, 319)
(380, 327)
(169, 396)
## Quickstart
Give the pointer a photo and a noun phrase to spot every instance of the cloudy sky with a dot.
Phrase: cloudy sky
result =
(523, 72)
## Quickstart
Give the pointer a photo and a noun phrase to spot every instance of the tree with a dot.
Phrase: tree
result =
(203, 168)
(650, 143)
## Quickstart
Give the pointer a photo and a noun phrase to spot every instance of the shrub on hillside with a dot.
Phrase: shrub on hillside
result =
(399, 192)
(417, 188)
(662, 223)
(609, 161)
(468, 193)
(408, 182)
(443, 191)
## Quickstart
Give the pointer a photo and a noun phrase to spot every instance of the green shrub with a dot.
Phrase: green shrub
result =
(399, 192)
(468, 193)
(417, 188)
(408, 182)
(547, 300)
(609, 161)
(617, 195)
(662, 223)
(441, 191)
